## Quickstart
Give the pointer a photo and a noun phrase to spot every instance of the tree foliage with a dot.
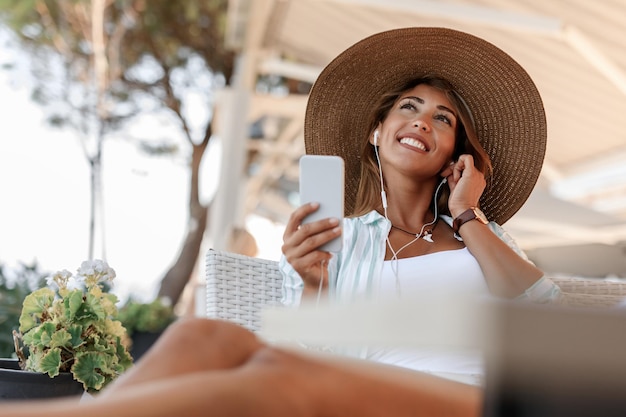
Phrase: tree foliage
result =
(101, 62)
(15, 284)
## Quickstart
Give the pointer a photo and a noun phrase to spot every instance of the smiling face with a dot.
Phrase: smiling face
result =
(418, 135)
(426, 149)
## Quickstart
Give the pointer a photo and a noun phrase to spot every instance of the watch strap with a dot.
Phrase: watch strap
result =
(463, 218)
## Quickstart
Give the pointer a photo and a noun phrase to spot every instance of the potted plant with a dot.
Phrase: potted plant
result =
(73, 328)
(145, 322)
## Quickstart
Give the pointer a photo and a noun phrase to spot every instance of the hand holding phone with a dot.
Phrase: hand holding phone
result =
(322, 181)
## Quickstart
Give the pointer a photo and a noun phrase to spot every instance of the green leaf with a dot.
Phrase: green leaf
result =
(51, 362)
(109, 302)
(27, 322)
(31, 338)
(86, 370)
(33, 363)
(94, 306)
(60, 338)
(46, 331)
(125, 361)
(38, 301)
(76, 333)
(72, 303)
(33, 307)
(114, 328)
(100, 344)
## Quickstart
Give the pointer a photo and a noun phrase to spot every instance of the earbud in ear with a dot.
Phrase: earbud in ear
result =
(376, 134)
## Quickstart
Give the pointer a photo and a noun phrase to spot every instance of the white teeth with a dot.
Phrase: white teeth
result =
(414, 143)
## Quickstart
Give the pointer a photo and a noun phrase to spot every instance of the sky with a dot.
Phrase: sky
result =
(44, 192)
(44, 186)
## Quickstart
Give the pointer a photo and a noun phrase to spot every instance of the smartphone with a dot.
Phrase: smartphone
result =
(322, 181)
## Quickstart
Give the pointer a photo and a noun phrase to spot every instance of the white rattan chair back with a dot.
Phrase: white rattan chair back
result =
(238, 287)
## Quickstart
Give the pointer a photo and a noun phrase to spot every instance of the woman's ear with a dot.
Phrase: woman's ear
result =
(375, 136)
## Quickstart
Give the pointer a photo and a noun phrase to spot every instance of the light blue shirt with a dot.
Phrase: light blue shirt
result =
(355, 271)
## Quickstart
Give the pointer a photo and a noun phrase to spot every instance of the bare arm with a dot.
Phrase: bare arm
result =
(506, 273)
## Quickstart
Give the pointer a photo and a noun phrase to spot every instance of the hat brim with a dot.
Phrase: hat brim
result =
(505, 103)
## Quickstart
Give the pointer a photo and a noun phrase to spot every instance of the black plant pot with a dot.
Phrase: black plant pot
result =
(16, 384)
(142, 341)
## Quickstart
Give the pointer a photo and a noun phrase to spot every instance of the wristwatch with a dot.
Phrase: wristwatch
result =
(469, 214)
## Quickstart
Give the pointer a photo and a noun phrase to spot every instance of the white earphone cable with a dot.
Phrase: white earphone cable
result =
(321, 284)
(383, 194)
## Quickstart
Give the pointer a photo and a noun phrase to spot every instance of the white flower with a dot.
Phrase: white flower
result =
(94, 272)
(60, 278)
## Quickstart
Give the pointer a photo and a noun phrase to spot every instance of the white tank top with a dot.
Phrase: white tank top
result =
(456, 269)
(447, 269)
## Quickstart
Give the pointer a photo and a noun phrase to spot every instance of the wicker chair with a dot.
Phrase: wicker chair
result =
(586, 292)
(238, 287)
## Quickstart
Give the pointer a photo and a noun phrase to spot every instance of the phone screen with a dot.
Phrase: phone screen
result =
(322, 181)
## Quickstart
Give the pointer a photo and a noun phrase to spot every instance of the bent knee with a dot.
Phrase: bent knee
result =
(279, 359)
(197, 331)
(269, 356)
(202, 325)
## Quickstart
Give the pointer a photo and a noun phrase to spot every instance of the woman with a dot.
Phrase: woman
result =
(443, 136)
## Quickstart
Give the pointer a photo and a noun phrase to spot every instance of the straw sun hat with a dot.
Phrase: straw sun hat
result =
(506, 106)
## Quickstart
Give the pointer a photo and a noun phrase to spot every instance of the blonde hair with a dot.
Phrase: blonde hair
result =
(368, 193)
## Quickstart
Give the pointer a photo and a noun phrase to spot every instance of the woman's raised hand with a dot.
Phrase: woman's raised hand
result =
(466, 183)
(300, 243)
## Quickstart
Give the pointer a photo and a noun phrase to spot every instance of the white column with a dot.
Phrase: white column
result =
(232, 131)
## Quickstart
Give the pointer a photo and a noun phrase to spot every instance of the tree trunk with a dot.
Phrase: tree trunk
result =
(176, 278)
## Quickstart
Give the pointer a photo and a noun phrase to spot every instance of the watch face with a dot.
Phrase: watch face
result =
(480, 215)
